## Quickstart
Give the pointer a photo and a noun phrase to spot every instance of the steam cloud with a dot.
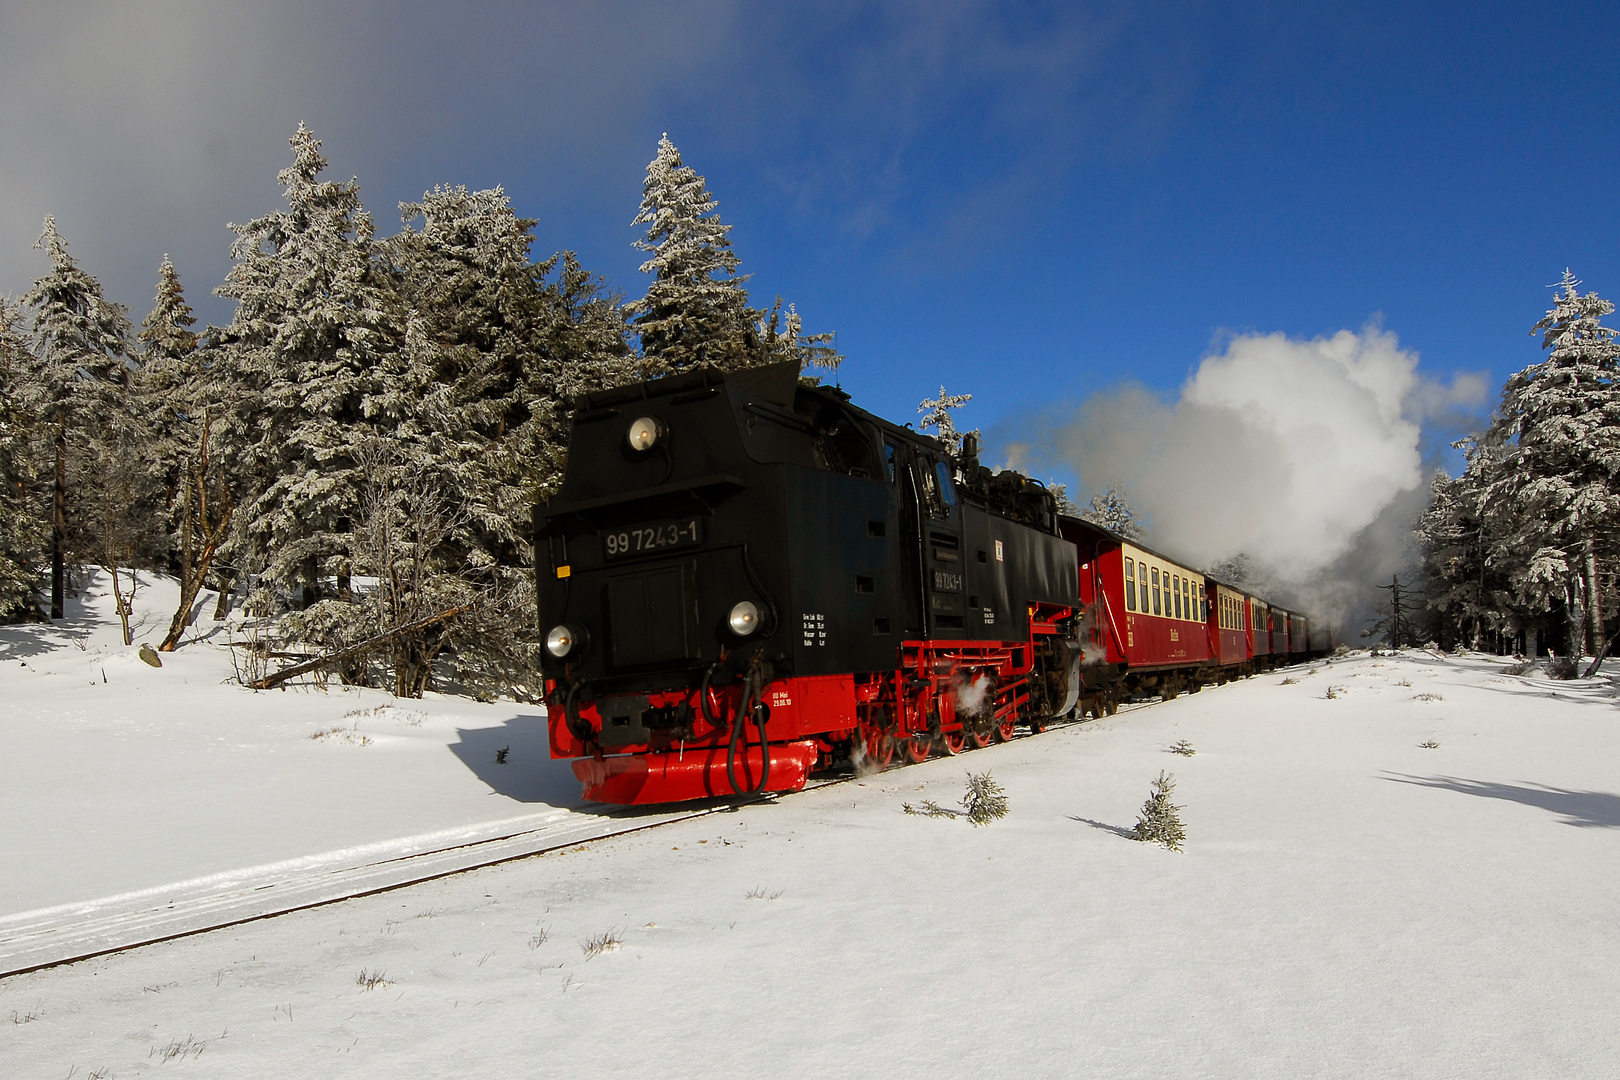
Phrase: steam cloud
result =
(1304, 456)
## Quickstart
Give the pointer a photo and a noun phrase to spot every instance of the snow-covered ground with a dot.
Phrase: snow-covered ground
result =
(1349, 902)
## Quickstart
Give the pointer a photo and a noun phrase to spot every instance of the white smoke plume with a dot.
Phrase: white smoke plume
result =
(970, 695)
(1298, 455)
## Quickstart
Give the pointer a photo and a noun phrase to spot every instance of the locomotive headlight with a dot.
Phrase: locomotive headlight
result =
(645, 433)
(744, 619)
(562, 640)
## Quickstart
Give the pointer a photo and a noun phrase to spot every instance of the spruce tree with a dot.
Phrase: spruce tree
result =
(75, 384)
(22, 543)
(936, 414)
(1111, 508)
(184, 393)
(479, 394)
(1556, 502)
(314, 319)
(696, 310)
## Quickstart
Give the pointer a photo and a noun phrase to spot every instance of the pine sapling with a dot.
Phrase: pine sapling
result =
(985, 800)
(1160, 822)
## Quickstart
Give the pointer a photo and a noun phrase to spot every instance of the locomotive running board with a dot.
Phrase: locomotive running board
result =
(641, 779)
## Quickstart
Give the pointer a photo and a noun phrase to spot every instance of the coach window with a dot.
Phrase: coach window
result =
(1130, 584)
(1155, 590)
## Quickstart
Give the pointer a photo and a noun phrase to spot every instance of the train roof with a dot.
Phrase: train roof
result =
(1068, 521)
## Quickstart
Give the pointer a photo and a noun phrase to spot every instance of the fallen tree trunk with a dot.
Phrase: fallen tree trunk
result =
(345, 653)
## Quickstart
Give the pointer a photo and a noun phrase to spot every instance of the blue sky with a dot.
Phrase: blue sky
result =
(1028, 202)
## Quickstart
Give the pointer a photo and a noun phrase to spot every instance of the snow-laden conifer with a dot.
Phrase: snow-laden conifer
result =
(1111, 508)
(22, 527)
(478, 398)
(186, 393)
(75, 386)
(1160, 819)
(314, 319)
(1555, 503)
(936, 414)
(696, 309)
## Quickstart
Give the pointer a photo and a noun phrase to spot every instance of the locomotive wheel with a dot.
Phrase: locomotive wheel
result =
(952, 742)
(1112, 706)
(1036, 725)
(918, 747)
(1003, 731)
(879, 747)
(978, 740)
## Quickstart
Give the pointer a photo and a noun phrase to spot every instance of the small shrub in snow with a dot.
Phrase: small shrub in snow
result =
(1160, 822)
(985, 801)
(1184, 748)
(1334, 692)
(1290, 681)
(605, 942)
(188, 1047)
(1429, 745)
(929, 808)
(1428, 697)
(762, 893)
(1341, 651)
(1561, 667)
(343, 736)
(370, 980)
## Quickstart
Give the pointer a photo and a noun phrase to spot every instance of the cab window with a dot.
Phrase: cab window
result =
(947, 490)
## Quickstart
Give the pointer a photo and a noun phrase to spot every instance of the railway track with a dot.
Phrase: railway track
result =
(69, 933)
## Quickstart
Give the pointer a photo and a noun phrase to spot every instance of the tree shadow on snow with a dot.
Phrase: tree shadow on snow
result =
(525, 772)
(1117, 830)
(1585, 809)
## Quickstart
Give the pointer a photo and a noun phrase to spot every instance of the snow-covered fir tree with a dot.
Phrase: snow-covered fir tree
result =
(496, 350)
(22, 533)
(186, 396)
(1470, 591)
(936, 414)
(315, 318)
(782, 337)
(1111, 508)
(1554, 504)
(74, 385)
(696, 309)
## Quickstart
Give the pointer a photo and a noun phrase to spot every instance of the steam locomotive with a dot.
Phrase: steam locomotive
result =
(746, 579)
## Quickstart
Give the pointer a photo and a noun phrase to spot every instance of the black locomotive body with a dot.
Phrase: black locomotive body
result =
(745, 578)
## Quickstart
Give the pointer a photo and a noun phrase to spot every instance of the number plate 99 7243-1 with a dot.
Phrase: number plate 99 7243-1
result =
(658, 536)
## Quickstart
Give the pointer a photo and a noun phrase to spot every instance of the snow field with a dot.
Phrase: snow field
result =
(1349, 904)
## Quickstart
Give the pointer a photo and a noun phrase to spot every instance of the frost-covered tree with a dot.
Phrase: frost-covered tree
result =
(1471, 592)
(782, 337)
(185, 393)
(1555, 501)
(936, 414)
(315, 318)
(696, 309)
(22, 544)
(76, 379)
(478, 399)
(1111, 508)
